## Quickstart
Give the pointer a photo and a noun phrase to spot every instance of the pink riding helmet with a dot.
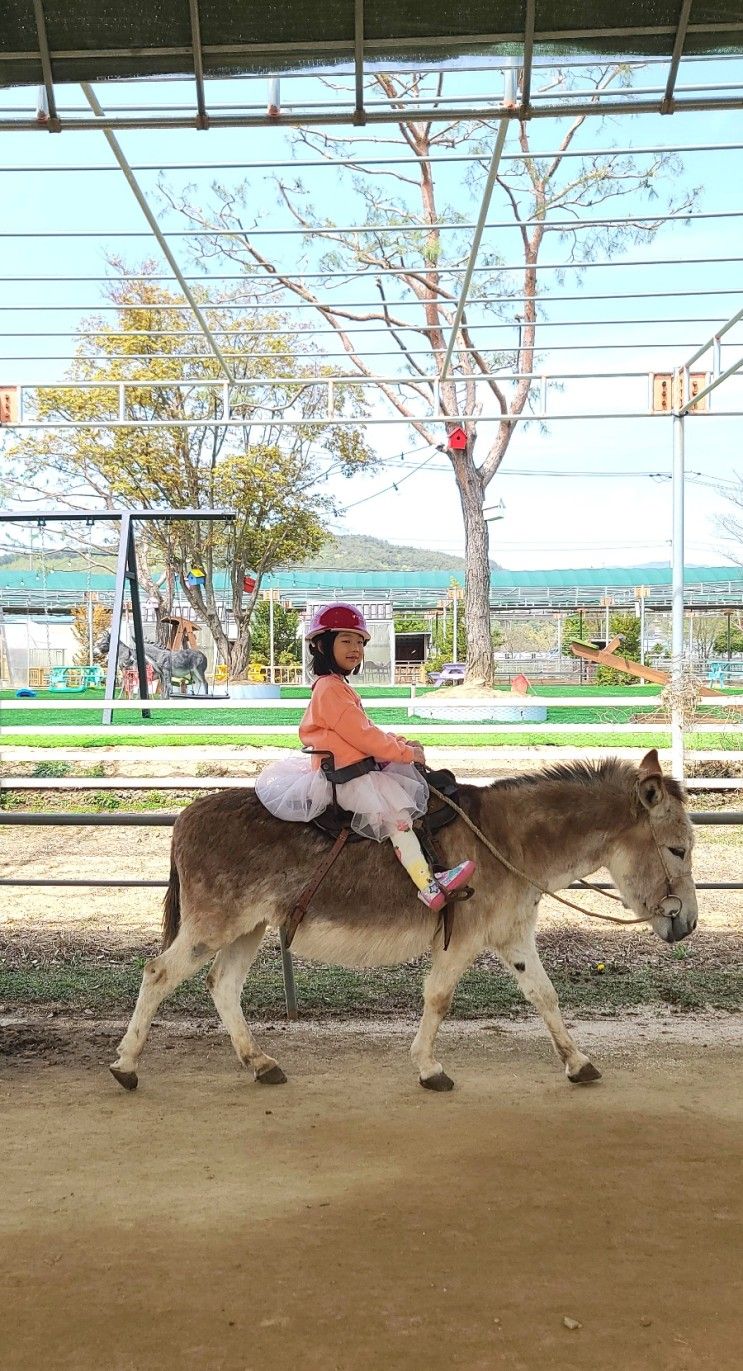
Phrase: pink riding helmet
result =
(336, 618)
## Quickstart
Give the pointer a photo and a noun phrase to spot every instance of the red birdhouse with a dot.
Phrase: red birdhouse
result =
(457, 440)
(249, 584)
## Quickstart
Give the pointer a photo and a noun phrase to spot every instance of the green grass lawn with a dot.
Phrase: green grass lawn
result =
(107, 987)
(130, 729)
(713, 742)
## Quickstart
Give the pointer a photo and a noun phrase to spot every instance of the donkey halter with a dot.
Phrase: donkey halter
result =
(569, 904)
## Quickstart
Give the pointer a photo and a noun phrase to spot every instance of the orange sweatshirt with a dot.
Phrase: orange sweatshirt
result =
(335, 720)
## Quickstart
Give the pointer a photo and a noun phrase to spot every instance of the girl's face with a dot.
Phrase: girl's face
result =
(348, 650)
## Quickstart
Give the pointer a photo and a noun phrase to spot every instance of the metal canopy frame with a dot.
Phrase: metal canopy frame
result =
(353, 59)
(206, 65)
(126, 574)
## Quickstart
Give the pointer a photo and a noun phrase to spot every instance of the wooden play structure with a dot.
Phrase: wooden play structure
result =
(607, 656)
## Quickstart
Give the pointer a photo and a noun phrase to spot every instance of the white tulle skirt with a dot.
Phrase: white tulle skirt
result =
(293, 789)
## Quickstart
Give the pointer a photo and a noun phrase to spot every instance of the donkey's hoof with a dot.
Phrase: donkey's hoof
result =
(438, 1082)
(273, 1075)
(129, 1079)
(587, 1073)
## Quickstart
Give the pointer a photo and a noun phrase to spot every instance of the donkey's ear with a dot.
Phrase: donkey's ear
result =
(650, 780)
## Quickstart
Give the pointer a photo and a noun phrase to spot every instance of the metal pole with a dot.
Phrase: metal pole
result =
(642, 630)
(157, 231)
(290, 989)
(124, 562)
(270, 636)
(133, 579)
(476, 237)
(116, 615)
(89, 611)
(5, 650)
(677, 598)
(455, 632)
(581, 662)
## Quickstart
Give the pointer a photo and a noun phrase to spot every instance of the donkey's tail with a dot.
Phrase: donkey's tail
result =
(172, 907)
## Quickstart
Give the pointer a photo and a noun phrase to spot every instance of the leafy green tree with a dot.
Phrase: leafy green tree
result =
(411, 623)
(286, 647)
(720, 644)
(268, 474)
(417, 267)
(442, 639)
(81, 628)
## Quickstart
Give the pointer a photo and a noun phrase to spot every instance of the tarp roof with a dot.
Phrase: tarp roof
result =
(370, 583)
(92, 40)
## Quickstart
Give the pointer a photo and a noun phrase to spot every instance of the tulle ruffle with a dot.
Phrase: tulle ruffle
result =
(292, 789)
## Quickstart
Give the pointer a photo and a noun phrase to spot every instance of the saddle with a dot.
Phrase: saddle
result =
(335, 824)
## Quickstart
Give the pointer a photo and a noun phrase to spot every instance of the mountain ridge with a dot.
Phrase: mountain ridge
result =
(362, 552)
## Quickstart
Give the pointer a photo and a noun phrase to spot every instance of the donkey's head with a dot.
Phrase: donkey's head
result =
(651, 859)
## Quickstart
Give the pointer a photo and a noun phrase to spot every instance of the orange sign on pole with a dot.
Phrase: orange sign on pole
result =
(668, 391)
(9, 406)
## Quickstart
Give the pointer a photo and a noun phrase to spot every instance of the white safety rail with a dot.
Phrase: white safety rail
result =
(425, 727)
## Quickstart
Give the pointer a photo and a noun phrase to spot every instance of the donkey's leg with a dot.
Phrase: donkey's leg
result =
(225, 982)
(522, 959)
(438, 988)
(162, 975)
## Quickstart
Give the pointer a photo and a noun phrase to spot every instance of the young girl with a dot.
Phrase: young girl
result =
(383, 802)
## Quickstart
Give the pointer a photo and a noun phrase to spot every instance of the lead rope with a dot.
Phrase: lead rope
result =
(587, 913)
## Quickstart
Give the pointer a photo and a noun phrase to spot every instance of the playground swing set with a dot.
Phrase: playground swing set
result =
(75, 680)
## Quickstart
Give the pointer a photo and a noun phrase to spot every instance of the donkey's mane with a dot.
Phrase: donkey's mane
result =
(608, 771)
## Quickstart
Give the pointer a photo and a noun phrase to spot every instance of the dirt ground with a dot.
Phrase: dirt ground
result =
(350, 1221)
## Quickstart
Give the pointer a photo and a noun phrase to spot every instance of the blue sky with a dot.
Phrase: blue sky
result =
(562, 505)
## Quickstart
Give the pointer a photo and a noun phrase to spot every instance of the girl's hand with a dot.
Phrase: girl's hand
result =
(419, 756)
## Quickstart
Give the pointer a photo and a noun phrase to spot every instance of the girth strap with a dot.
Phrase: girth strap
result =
(302, 904)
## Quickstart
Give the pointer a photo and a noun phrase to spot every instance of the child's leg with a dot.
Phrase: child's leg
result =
(408, 851)
(433, 890)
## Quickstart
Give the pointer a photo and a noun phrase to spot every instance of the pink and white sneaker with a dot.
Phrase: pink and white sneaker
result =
(444, 882)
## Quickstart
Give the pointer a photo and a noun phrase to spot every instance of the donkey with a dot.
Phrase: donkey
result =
(236, 869)
(187, 664)
(124, 655)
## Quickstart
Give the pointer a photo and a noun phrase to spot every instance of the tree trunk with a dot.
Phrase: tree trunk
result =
(477, 575)
(240, 652)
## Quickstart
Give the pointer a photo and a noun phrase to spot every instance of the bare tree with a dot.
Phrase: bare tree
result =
(405, 244)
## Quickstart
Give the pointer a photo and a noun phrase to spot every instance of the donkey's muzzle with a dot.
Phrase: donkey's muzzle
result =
(673, 923)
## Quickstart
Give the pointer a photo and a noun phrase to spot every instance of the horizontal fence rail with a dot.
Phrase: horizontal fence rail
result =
(726, 818)
(166, 820)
